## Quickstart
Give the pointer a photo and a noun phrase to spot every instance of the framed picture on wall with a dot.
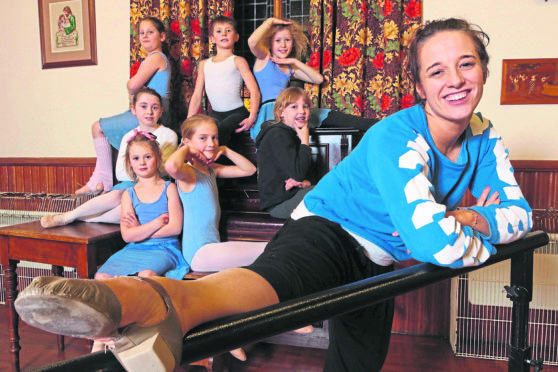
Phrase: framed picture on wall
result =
(67, 32)
(529, 81)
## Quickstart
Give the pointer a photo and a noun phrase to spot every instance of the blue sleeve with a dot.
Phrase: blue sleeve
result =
(512, 218)
(401, 168)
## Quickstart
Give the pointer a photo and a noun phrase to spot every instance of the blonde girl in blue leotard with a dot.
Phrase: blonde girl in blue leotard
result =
(151, 218)
(194, 168)
(278, 45)
(154, 72)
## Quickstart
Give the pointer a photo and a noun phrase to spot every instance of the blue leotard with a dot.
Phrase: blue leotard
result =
(201, 214)
(271, 81)
(114, 127)
(162, 255)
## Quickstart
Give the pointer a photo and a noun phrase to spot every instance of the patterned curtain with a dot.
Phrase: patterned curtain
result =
(187, 24)
(360, 48)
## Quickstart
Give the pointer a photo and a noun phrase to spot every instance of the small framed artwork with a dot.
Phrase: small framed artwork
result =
(67, 31)
(529, 81)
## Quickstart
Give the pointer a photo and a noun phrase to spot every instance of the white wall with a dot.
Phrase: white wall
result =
(49, 112)
(517, 29)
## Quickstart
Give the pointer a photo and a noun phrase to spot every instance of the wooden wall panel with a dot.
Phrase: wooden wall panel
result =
(3, 178)
(44, 175)
(538, 181)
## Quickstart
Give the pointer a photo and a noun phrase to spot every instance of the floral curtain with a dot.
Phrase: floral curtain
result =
(187, 24)
(360, 48)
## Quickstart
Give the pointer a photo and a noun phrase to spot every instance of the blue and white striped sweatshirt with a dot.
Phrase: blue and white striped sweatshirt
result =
(397, 180)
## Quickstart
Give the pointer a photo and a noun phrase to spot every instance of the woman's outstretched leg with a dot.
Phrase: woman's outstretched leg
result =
(124, 301)
(101, 179)
(90, 209)
(142, 320)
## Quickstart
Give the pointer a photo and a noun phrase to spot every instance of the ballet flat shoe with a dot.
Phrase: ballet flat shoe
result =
(73, 307)
(89, 309)
(155, 348)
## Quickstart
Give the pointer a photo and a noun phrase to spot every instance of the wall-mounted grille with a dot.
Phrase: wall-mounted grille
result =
(481, 312)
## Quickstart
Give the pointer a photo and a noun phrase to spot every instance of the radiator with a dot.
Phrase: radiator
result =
(480, 322)
(16, 208)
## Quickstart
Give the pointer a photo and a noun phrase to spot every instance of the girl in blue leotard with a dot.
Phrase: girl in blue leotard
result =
(154, 72)
(277, 45)
(194, 168)
(151, 218)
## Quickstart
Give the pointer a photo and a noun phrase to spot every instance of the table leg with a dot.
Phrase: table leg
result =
(58, 271)
(10, 278)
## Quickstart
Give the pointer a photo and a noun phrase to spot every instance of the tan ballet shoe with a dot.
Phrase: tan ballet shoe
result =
(85, 190)
(72, 307)
(90, 309)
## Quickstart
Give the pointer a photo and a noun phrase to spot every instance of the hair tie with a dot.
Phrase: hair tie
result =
(150, 136)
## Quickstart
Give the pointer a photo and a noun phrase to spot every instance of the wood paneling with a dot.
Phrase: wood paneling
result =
(539, 182)
(44, 175)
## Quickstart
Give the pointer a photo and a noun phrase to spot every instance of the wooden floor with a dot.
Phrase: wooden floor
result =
(407, 353)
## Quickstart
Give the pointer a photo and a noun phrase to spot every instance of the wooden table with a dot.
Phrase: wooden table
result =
(80, 245)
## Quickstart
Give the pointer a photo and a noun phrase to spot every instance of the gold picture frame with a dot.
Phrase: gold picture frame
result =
(529, 81)
(67, 32)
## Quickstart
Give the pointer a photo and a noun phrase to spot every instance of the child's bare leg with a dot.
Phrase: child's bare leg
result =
(111, 216)
(91, 208)
(226, 255)
(305, 330)
(101, 179)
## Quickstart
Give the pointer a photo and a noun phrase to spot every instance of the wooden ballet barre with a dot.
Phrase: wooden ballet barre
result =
(225, 334)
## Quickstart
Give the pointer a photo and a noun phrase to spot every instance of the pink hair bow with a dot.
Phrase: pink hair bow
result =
(149, 135)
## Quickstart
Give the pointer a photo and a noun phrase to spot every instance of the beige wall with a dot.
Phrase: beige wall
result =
(517, 29)
(49, 112)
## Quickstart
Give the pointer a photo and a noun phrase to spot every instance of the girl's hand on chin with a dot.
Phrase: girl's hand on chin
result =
(195, 154)
(302, 131)
(220, 151)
